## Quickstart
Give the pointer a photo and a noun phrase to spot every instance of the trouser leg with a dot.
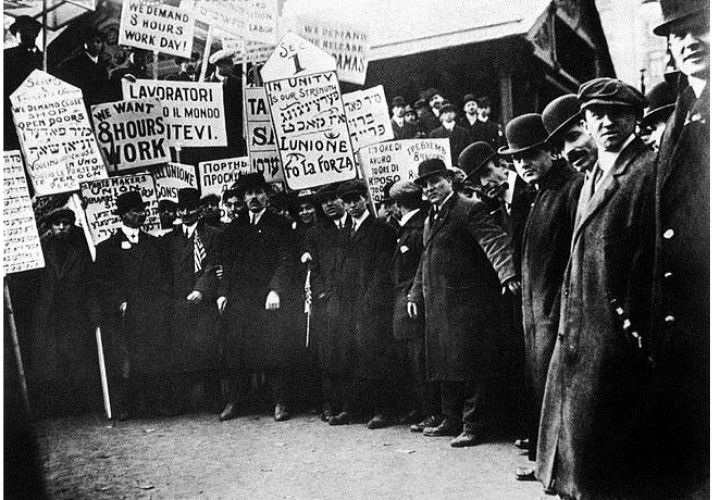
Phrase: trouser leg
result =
(279, 383)
(473, 408)
(452, 400)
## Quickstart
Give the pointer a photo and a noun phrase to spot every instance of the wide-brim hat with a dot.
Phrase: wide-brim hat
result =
(223, 55)
(662, 101)
(675, 11)
(475, 157)
(59, 212)
(252, 180)
(429, 168)
(429, 93)
(607, 91)
(128, 201)
(523, 133)
(559, 115)
(25, 22)
(354, 187)
(188, 198)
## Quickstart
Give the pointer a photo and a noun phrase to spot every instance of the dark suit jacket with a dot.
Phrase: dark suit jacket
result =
(91, 78)
(489, 132)
(407, 257)
(408, 131)
(458, 139)
(428, 122)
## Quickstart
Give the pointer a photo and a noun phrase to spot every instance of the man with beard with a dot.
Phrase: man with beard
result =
(260, 298)
(681, 279)
(466, 256)
(134, 287)
(591, 437)
(545, 251)
(564, 122)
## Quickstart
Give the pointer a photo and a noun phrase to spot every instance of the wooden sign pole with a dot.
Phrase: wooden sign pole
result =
(16, 344)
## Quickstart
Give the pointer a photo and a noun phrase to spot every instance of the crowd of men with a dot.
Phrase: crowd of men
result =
(588, 224)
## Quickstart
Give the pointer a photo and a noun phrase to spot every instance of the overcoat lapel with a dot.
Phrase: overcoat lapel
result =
(433, 228)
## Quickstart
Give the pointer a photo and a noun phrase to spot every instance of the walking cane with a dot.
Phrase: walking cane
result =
(308, 300)
(16, 346)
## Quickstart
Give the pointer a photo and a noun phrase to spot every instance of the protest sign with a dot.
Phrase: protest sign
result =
(262, 21)
(226, 15)
(262, 147)
(349, 45)
(398, 160)
(308, 115)
(157, 27)
(172, 177)
(22, 249)
(193, 111)
(218, 175)
(100, 198)
(368, 117)
(131, 133)
(57, 140)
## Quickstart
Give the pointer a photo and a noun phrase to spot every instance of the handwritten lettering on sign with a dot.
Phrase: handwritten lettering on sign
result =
(57, 140)
(171, 177)
(100, 198)
(21, 241)
(218, 175)
(262, 146)
(226, 15)
(131, 133)
(157, 27)
(193, 112)
(368, 117)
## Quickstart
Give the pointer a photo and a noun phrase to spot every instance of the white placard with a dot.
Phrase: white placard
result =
(21, 241)
(131, 133)
(57, 140)
(218, 175)
(262, 21)
(262, 147)
(157, 27)
(171, 177)
(368, 117)
(194, 111)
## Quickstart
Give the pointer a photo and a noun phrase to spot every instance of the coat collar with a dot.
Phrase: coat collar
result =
(431, 228)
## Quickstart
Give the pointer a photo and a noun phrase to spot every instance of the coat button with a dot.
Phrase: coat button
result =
(669, 319)
(667, 274)
(668, 234)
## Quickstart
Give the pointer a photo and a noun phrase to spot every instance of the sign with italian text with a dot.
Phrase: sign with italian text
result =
(368, 117)
(157, 27)
(171, 177)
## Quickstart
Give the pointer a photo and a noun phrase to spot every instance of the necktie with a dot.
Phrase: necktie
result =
(353, 230)
(198, 252)
(596, 175)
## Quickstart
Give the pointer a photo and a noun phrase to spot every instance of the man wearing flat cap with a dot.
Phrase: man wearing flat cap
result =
(564, 121)
(133, 282)
(193, 256)
(545, 251)
(466, 259)
(457, 136)
(366, 315)
(591, 439)
(402, 129)
(681, 279)
(260, 296)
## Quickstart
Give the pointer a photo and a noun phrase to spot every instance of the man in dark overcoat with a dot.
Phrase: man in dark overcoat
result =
(402, 128)
(87, 71)
(193, 255)
(457, 136)
(681, 279)
(591, 440)
(467, 256)
(428, 117)
(564, 121)
(365, 292)
(133, 282)
(545, 251)
(260, 294)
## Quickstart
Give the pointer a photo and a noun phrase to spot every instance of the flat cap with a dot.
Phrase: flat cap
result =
(398, 101)
(469, 97)
(354, 187)
(610, 92)
(326, 192)
(404, 189)
(60, 213)
(447, 107)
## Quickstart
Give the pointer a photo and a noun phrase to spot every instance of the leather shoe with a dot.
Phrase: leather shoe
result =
(413, 418)
(465, 438)
(379, 422)
(523, 444)
(342, 418)
(229, 412)
(281, 413)
(525, 474)
(326, 415)
(446, 428)
(430, 421)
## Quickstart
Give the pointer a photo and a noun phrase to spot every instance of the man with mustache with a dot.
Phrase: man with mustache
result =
(564, 123)
(590, 441)
(681, 279)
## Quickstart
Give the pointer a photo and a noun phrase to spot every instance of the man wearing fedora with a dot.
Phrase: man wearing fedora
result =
(466, 259)
(591, 437)
(457, 136)
(402, 128)
(260, 297)
(545, 250)
(681, 279)
(564, 122)
(193, 255)
(133, 282)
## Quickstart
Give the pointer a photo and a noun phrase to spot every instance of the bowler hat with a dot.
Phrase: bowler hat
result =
(610, 92)
(128, 201)
(469, 97)
(678, 10)
(398, 101)
(252, 180)
(429, 168)
(58, 213)
(354, 187)
(559, 115)
(24, 22)
(662, 100)
(475, 157)
(188, 198)
(428, 94)
(523, 133)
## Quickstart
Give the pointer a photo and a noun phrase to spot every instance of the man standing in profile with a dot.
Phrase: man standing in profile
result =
(467, 256)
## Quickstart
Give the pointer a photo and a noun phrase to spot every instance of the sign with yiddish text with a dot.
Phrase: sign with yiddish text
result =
(368, 117)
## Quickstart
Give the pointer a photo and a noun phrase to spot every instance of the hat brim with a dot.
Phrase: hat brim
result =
(664, 29)
(563, 127)
(652, 115)
(604, 102)
(420, 180)
(503, 150)
(482, 165)
(143, 204)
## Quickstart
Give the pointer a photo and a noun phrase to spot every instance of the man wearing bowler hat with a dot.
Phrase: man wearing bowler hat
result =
(564, 121)
(134, 286)
(193, 255)
(402, 128)
(545, 250)
(662, 101)
(591, 436)
(466, 259)
(681, 279)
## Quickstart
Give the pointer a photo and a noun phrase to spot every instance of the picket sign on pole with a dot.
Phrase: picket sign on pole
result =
(363, 171)
(206, 54)
(178, 152)
(155, 65)
(16, 345)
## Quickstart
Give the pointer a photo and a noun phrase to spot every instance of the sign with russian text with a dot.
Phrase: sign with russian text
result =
(157, 27)
(218, 175)
(193, 111)
(308, 115)
(21, 241)
(262, 147)
(100, 199)
(131, 133)
(398, 160)
(57, 140)
(368, 117)
(171, 177)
